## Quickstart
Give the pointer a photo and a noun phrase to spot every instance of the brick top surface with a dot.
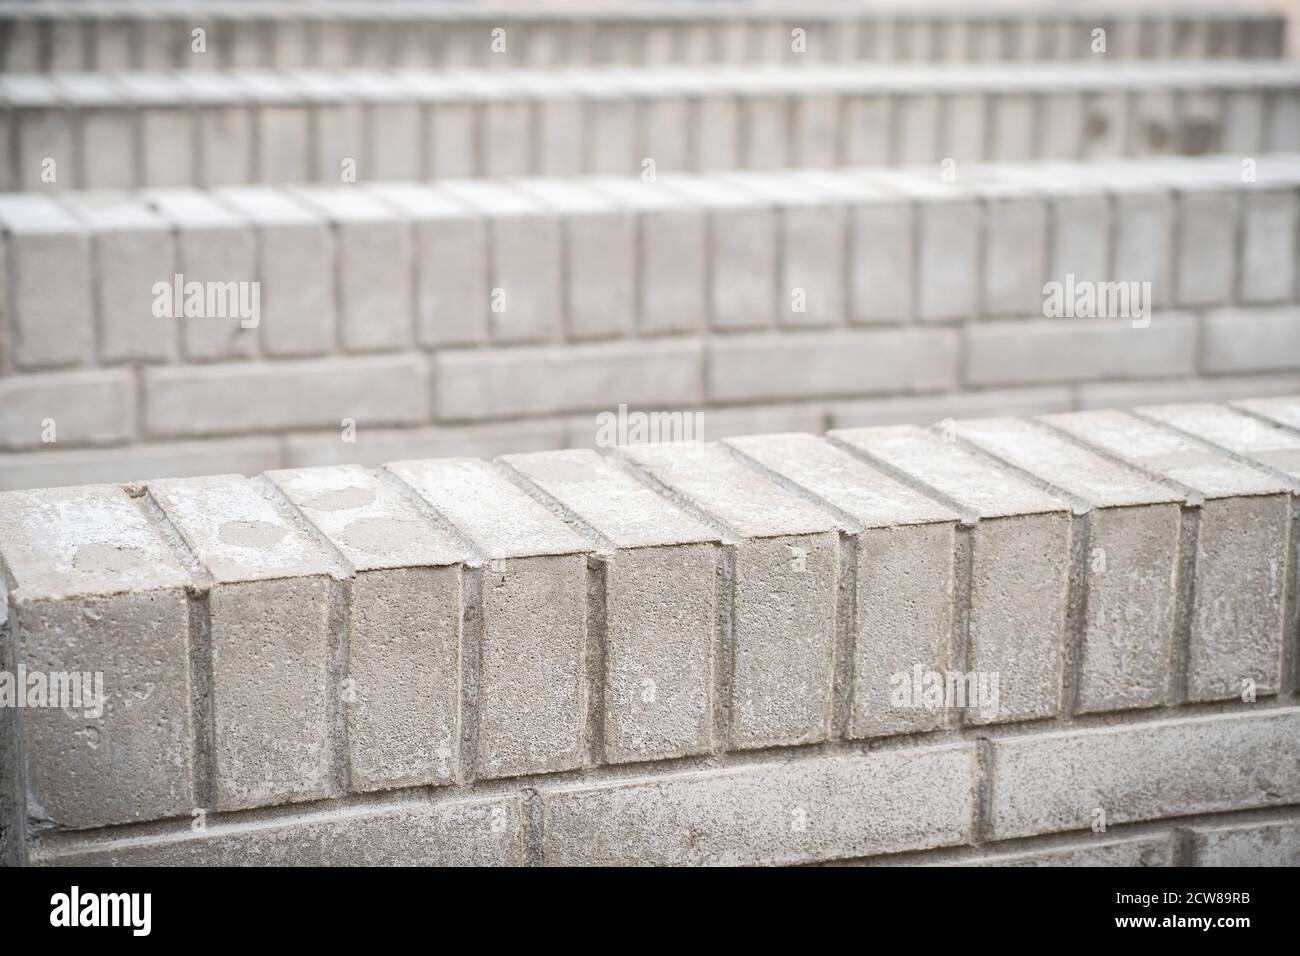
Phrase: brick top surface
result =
(610, 500)
(719, 483)
(1166, 453)
(987, 490)
(235, 531)
(1062, 463)
(865, 494)
(499, 518)
(68, 542)
(367, 517)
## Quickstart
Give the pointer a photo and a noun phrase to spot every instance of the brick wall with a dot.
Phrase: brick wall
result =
(686, 653)
(153, 35)
(474, 317)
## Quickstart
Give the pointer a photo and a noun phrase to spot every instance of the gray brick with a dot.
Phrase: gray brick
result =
(904, 587)
(271, 632)
(404, 625)
(241, 397)
(1048, 783)
(785, 571)
(95, 589)
(1020, 546)
(660, 605)
(507, 382)
(1131, 561)
(532, 597)
(816, 809)
(802, 365)
(477, 832)
(1237, 613)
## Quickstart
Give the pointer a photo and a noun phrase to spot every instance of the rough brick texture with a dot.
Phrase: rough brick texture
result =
(674, 654)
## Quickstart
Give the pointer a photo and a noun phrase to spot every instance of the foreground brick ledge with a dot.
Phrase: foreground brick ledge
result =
(675, 653)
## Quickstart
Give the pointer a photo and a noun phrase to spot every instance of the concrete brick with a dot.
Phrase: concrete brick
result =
(1251, 340)
(403, 645)
(1237, 609)
(1048, 783)
(506, 382)
(1012, 126)
(271, 633)
(1275, 449)
(600, 269)
(338, 119)
(451, 264)
(37, 231)
(524, 245)
(1265, 844)
(742, 255)
(903, 578)
(785, 564)
(476, 832)
(1284, 411)
(238, 398)
(225, 129)
(93, 588)
(295, 266)
(393, 118)
(779, 813)
(83, 408)
(133, 252)
(765, 135)
(213, 245)
(373, 259)
(1063, 350)
(1019, 546)
(880, 226)
(106, 133)
(1143, 236)
(660, 599)
(1204, 243)
(1130, 574)
(281, 122)
(916, 119)
(867, 130)
(1138, 851)
(800, 365)
(672, 242)
(166, 130)
(532, 603)
(1268, 251)
(947, 243)
(45, 157)
(812, 239)
(1014, 245)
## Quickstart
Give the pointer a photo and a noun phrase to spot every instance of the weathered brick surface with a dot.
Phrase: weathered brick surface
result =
(617, 634)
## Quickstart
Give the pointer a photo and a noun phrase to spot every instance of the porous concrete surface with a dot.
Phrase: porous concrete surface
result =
(675, 654)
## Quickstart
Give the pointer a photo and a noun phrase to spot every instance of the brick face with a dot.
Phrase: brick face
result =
(684, 653)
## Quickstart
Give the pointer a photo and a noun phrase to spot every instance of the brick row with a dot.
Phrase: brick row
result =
(302, 272)
(103, 130)
(338, 630)
(818, 809)
(143, 35)
(326, 409)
